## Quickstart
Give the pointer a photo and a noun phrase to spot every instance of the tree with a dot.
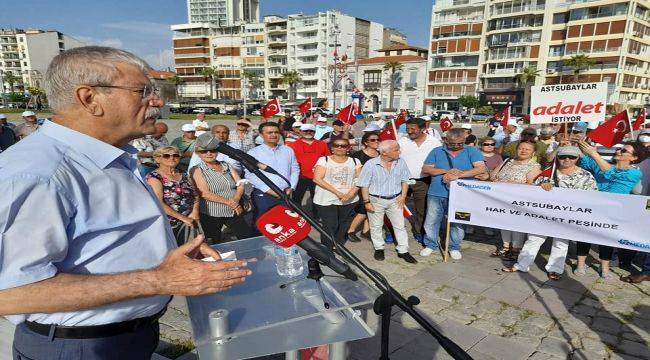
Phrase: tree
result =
(526, 78)
(253, 80)
(11, 79)
(177, 81)
(210, 74)
(37, 95)
(291, 78)
(469, 101)
(578, 63)
(487, 109)
(393, 67)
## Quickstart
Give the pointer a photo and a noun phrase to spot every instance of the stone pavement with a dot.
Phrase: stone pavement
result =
(495, 315)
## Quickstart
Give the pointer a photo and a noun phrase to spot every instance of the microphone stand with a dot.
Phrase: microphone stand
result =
(389, 296)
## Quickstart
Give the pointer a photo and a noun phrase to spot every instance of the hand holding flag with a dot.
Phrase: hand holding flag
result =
(640, 120)
(503, 116)
(349, 114)
(446, 124)
(305, 106)
(270, 109)
(612, 131)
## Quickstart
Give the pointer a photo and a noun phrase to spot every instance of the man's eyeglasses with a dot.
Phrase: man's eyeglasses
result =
(456, 144)
(214, 151)
(488, 144)
(308, 131)
(564, 157)
(146, 91)
(340, 146)
(167, 156)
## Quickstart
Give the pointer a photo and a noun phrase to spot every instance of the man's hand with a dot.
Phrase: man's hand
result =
(546, 186)
(182, 274)
(288, 191)
(447, 178)
(401, 201)
(369, 207)
(483, 176)
(454, 172)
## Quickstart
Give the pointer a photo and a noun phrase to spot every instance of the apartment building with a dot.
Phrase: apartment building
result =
(26, 54)
(393, 36)
(223, 12)
(542, 35)
(369, 77)
(192, 55)
(275, 61)
(253, 50)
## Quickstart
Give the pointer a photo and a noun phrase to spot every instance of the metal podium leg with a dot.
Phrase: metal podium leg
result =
(338, 351)
(292, 355)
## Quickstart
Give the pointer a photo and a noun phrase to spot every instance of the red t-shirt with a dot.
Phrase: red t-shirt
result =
(307, 155)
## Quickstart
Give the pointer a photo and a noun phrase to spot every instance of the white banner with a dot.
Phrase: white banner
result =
(616, 220)
(564, 103)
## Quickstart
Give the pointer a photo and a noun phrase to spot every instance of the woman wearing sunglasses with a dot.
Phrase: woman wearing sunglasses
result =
(493, 160)
(220, 190)
(336, 194)
(619, 178)
(567, 175)
(174, 190)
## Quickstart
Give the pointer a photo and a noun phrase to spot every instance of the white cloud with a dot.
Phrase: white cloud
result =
(141, 27)
(162, 60)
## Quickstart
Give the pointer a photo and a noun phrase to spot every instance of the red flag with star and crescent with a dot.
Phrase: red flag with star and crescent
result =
(387, 134)
(271, 108)
(503, 116)
(305, 106)
(349, 114)
(640, 120)
(612, 131)
(401, 119)
(446, 124)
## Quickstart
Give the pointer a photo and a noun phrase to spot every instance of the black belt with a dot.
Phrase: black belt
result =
(93, 331)
(386, 197)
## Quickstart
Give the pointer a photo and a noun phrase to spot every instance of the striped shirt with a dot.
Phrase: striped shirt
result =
(220, 183)
(381, 181)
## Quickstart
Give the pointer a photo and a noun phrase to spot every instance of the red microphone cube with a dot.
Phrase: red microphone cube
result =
(283, 226)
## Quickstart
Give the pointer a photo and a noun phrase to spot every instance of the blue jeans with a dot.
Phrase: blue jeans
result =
(436, 211)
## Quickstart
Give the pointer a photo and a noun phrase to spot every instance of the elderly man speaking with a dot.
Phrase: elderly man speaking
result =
(88, 261)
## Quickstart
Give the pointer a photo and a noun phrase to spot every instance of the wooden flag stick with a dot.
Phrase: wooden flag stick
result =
(444, 256)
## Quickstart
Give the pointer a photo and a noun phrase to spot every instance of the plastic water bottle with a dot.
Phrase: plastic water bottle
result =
(288, 261)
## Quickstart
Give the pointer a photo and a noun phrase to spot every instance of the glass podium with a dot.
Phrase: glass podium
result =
(270, 314)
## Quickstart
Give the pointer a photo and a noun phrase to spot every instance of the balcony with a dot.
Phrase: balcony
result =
(517, 9)
(503, 71)
(453, 80)
(370, 86)
(410, 86)
(592, 51)
(453, 65)
(192, 65)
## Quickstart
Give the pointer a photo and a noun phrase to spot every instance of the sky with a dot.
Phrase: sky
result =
(142, 26)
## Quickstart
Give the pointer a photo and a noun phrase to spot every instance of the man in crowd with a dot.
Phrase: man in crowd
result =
(340, 130)
(528, 134)
(470, 139)
(293, 134)
(200, 125)
(307, 151)
(504, 135)
(221, 133)
(3, 121)
(7, 137)
(279, 157)
(321, 127)
(384, 186)
(99, 271)
(414, 149)
(244, 137)
(147, 145)
(29, 125)
(185, 143)
(445, 164)
(287, 124)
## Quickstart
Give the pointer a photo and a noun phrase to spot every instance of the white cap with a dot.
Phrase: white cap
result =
(296, 124)
(307, 127)
(3, 116)
(372, 127)
(188, 127)
(322, 119)
(426, 118)
(466, 126)
(28, 113)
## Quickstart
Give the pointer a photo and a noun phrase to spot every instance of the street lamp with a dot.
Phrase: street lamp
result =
(335, 32)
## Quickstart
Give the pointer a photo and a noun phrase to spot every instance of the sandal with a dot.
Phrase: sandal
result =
(512, 255)
(504, 251)
(554, 276)
(511, 269)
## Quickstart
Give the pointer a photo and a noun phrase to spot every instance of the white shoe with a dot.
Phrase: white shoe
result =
(426, 252)
(455, 254)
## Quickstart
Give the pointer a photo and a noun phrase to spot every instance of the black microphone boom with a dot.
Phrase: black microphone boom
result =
(244, 158)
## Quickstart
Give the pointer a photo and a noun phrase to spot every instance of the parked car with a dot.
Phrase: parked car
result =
(483, 117)
(440, 114)
(256, 112)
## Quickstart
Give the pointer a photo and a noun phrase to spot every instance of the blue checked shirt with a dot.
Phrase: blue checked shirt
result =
(381, 181)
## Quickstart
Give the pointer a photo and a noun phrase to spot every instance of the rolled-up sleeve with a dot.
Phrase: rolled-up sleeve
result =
(365, 176)
(33, 230)
(295, 169)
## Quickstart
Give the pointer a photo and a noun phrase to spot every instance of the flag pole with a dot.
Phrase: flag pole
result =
(392, 123)
(629, 122)
(444, 256)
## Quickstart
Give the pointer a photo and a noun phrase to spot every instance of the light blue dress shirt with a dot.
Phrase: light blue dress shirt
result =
(282, 159)
(322, 130)
(74, 204)
(381, 181)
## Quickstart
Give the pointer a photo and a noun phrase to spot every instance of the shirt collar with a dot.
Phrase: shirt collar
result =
(99, 152)
(277, 147)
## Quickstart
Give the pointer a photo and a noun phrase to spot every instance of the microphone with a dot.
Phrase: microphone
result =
(243, 157)
(286, 228)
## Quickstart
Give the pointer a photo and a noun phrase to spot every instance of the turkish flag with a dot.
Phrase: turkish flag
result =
(349, 114)
(271, 108)
(640, 119)
(305, 106)
(387, 134)
(503, 116)
(612, 131)
(401, 119)
(548, 172)
(446, 124)
(406, 212)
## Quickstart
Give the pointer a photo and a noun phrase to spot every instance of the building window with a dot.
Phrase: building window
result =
(411, 103)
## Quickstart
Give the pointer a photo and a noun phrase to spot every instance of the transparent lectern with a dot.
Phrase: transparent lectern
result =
(270, 314)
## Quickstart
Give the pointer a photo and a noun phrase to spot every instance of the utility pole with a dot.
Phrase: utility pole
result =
(243, 92)
(335, 32)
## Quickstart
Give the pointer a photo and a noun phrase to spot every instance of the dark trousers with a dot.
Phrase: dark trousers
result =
(262, 202)
(604, 252)
(236, 224)
(419, 193)
(336, 220)
(304, 186)
(138, 345)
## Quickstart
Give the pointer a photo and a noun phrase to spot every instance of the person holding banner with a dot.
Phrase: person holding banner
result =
(523, 169)
(567, 175)
(445, 164)
(619, 178)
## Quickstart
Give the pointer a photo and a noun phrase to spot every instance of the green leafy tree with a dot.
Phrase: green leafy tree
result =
(254, 80)
(526, 78)
(486, 109)
(12, 79)
(393, 67)
(469, 101)
(579, 63)
(212, 75)
(292, 79)
(177, 81)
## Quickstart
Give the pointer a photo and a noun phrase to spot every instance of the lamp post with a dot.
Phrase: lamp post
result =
(335, 32)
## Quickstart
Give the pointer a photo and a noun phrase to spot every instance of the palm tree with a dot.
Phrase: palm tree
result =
(253, 79)
(291, 78)
(578, 63)
(37, 95)
(177, 81)
(393, 66)
(526, 78)
(11, 79)
(210, 73)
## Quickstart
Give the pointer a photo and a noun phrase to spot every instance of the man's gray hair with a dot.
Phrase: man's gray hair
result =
(86, 65)
(455, 133)
(386, 145)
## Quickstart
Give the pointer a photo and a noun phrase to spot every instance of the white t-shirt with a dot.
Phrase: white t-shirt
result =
(415, 155)
(198, 123)
(339, 175)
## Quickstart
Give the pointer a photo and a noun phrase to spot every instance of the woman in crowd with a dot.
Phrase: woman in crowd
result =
(619, 178)
(174, 190)
(487, 145)
(220, 190)
(567, 175)
(523, 169)
(336, 194)
(370, 142)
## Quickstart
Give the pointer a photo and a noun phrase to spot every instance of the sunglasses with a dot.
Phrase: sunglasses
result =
(167, 156)
(340, 146)
(206, 151)
(564, 157)
(309, 131)
(624, 150)
(489, 144)
(372, 140)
